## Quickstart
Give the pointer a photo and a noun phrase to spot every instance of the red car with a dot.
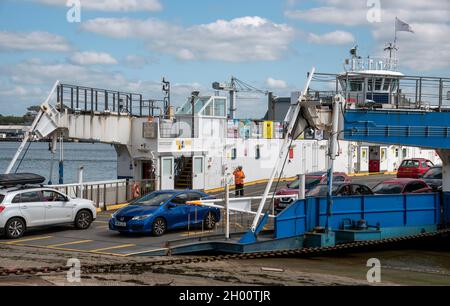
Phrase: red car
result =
(312, 180)
(414, 168)
(402, 186)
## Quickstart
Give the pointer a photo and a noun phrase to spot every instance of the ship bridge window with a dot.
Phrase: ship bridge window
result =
(394, 85)
(378, 84)
(199, 104)
(387, 84)
(215, 107)
(356, 85)
(220, 107)
(374, 84)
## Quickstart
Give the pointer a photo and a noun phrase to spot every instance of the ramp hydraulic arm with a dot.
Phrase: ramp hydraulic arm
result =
(43, 125)
(293, 123)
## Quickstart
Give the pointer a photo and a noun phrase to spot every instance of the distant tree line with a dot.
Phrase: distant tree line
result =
(26, 119)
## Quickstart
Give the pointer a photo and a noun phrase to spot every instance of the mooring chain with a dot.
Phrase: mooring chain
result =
(141, 266)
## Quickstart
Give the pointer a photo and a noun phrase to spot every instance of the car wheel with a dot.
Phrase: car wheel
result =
(15, 228)
(210, 221)
(159, 227)
(83, 220)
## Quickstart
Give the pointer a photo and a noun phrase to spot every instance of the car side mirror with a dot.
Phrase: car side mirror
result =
(171, 205)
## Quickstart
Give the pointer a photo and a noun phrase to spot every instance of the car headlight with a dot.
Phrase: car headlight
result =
(114, 215)
(140, 218)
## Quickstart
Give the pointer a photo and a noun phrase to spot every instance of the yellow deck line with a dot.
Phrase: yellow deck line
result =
(143, 252)
(195, 233)
(68, 250)
(28, 239)
(113, 248)
(69, 243)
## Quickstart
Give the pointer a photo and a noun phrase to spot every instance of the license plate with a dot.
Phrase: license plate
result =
(120, 224)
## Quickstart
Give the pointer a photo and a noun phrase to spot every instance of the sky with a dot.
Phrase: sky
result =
(129, 45)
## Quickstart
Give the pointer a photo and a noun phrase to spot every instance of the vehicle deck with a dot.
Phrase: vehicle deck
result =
(98, 239)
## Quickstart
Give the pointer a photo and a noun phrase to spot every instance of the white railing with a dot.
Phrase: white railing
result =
(241, 206)
(373, 63)
(104, 193)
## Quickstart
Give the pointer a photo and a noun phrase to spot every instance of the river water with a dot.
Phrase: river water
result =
(99, 160)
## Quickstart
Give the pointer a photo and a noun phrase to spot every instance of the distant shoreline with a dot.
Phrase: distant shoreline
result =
(45, 140)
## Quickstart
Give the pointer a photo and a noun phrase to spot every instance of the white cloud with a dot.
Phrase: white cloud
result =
(33, 41)
(93, 58)
(137, 61)
(332, 38)
(276, 84)
(112, 5)
(237, 40)
(29, 82)
(331, 15)
(426, 50)
(351, 13)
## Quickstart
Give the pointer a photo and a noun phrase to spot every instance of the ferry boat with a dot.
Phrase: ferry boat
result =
(199, 144)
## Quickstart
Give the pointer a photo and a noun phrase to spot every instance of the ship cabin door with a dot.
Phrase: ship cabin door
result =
(374, 159)
(364, 159)
(198, 172)
(167, 173)
(148, 177)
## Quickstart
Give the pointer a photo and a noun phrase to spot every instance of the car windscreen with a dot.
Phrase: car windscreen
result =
(321, 191)
(410, 164)
(434, 174)
(153, 199)
(310, 183)
(1, 198)
(388, 189)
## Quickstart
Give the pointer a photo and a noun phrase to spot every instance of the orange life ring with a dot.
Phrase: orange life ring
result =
(136, 190)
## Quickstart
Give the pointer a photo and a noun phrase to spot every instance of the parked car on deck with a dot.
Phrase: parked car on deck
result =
(25, 207)
(160, 211)
(414, 168)
(433, 177)
(311, 180)
(340, 189)
(402, 186)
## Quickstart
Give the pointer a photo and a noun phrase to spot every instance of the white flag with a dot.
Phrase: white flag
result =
(401, 26)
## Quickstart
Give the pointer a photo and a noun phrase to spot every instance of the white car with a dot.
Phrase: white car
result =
(22, 208)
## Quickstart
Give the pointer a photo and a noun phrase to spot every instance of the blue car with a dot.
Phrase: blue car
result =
(161, 211)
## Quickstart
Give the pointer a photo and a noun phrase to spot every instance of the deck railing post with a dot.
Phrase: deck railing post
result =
(78, 97)
(104, 198)
(85, 100)
(71, 97)
(106, 101)
(227, 210)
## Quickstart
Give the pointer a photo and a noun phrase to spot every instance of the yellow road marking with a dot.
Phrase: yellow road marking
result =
(195, 233)
(28, 239)
(69, 243)
(113, 248)
(67, 250)
(143, 252)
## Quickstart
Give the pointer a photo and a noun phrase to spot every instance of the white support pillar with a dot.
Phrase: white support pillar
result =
(227, 210)
(80, 181)
(445, 157)
(302, 187)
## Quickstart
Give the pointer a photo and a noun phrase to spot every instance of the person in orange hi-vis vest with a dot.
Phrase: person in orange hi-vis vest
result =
(239, 177)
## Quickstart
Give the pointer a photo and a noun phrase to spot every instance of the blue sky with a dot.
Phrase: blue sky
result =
(270, 44)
